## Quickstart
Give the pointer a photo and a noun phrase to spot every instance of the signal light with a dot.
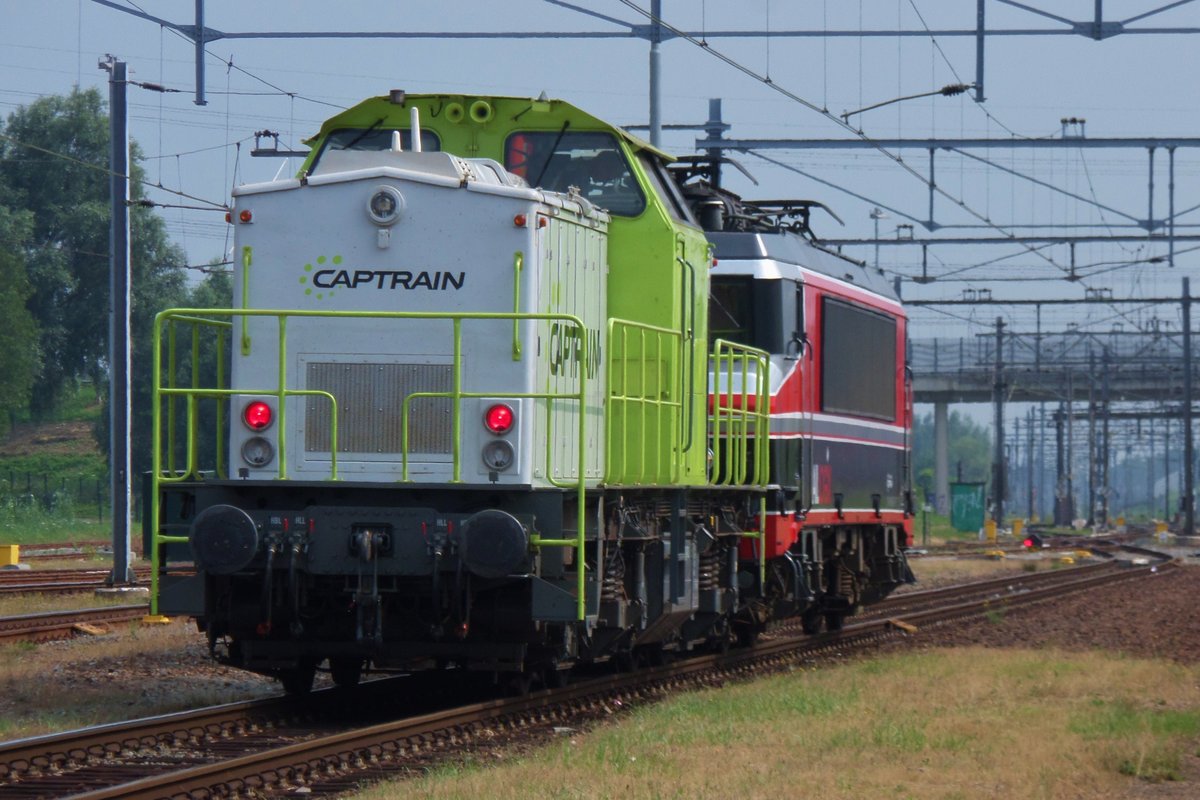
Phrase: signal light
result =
(229, 217)
(245, 216)
(519, 220)
(258, 416)
(499, 419)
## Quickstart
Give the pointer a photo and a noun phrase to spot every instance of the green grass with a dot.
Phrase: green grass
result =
(942, 724)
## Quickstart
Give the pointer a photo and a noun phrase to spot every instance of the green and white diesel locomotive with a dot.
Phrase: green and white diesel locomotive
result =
(470, 410)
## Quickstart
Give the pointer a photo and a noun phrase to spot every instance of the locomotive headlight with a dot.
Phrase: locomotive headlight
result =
(385, 206)
(257, 452)
(498, 455)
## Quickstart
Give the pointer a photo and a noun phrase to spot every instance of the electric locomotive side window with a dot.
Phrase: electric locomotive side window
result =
(591, 162)
(858, 361)
(373, 138)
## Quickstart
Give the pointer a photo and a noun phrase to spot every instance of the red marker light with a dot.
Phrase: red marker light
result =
(519, 220)
(1028, 542)
(258, 416)
(229, 217)
(499, 419)
(245, 215)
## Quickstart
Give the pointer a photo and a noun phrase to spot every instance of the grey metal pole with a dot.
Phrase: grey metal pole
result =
(1091, 492)
(1041, 479)
(655, 73)
(1061, 517)
(1189, 505)
(1029, 465)
(118, 325)
(979, 37)
(998, 466)
(1070, 446)
(941, 457)
(1171, 206)
(1106, 453)
(200, 41)
(1166, 470)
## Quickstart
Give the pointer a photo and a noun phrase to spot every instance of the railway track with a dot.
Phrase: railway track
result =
(60, 580)
(61, 624)
(253, 749)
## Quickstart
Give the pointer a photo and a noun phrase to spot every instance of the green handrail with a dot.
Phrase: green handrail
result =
(740, 417)
(651, 408)
(170, 393)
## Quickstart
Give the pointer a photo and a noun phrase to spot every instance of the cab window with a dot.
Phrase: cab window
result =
(591, 162)
(667, 190)
(374, 138)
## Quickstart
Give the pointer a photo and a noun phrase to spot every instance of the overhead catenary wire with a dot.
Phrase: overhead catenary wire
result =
(793, 96)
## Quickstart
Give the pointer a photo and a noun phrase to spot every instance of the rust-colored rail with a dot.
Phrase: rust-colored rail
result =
(42, 581)
(60, 624)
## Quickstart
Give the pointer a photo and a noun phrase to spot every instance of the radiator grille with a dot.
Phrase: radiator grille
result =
(370, 398)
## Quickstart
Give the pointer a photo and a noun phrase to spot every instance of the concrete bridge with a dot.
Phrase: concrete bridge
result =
(1075, 366)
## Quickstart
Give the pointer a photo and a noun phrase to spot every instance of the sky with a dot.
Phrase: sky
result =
(1130, 85)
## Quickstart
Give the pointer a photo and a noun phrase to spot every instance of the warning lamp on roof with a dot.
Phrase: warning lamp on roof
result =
(258, 416)
(245, 216)
(499, 419)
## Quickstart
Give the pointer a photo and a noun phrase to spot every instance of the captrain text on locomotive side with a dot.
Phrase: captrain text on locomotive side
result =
(490, 397)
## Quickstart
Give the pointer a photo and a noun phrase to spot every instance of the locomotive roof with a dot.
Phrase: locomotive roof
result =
(788, 248)
(370, 110)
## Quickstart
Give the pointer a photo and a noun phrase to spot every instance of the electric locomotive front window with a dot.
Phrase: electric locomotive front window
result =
(731, 310)
(373, 138)
(591, 162)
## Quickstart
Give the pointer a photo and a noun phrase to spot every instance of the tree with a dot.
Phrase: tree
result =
(19, 359)
(64, 186)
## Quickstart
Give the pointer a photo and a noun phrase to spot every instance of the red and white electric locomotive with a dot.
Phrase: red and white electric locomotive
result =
(840, 400)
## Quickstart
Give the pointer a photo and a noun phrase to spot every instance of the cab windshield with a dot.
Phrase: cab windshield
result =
(374, 138)
(591, 162)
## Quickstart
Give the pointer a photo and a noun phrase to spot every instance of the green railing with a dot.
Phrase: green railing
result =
(645, 404)
(739, 426)
(739, 419)
(222, 319)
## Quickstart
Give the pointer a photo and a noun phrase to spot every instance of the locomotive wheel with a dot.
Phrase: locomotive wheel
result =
(345, 671)
(747, 635)
(722, 638)
(554, 678)
(810, 621)
(517, 684)
(298, 681)
(834, 620)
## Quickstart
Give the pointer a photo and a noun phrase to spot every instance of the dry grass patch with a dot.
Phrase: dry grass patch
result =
(13, 605)
(137, 670)
(935, 571)
(967, 723)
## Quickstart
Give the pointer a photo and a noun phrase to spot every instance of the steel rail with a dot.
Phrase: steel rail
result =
(57, 624)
